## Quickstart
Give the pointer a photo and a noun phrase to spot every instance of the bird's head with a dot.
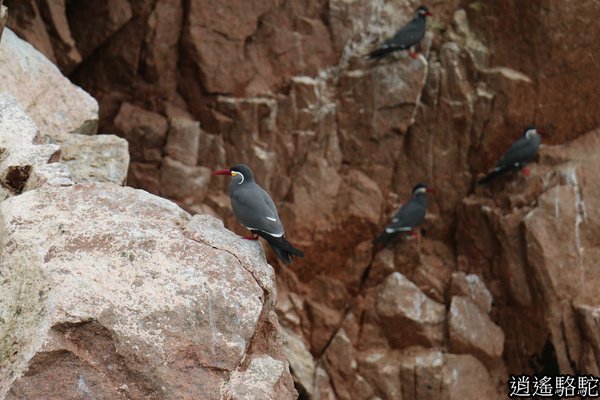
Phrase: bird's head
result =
(241, 173)
(421, 188)
(422, 12)
(532, 131)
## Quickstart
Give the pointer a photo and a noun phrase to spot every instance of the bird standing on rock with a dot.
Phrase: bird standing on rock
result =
(517, 156)
(405, 38)
(256, 211)
(408, 217)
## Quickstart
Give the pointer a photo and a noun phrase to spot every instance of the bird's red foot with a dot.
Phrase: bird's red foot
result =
(254, 236)
(415, 233)
(412, 54)
(526, 172)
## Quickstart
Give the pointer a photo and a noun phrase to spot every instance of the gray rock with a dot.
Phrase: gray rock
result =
(95, 158)
(19, 152)
(113, 292)
(51, 100)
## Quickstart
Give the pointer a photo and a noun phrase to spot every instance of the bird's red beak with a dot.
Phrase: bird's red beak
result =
(430, 190)
(541, 131)
(428, 14)
(222, 172)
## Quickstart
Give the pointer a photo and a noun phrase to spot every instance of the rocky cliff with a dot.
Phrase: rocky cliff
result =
(503, 281)
(110, 292)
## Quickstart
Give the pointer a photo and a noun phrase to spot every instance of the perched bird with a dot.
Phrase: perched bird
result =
(518, 155)
(255, 210)
(405, 38)
(409, 216)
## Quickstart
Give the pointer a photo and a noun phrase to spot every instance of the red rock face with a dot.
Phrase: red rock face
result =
(505, 274)
(554, 44)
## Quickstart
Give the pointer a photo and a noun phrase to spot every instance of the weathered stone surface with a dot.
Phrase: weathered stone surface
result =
(253, 261)
(430, 374)
(53, 174)
(340, 359)
(427, 374)
(258, 381)
(464, 377)
(24, 164)
(471, 330)
(107, 18)
(144, 131)
(55, 104)
(503, 37)
(195, 188)
(302, 363)
(183, 140)
(45, 24)
(588, 317)
(133, 295)
(409, 317)
(471, 286)
(28, 15)
(278, 42)
(382, 369)
(95, 158)
(160, 62)
(65, 49)
(19, 151)
(144, 176)
(542, 230)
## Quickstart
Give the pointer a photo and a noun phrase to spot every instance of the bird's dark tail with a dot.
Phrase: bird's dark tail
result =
(492, 175)
(384, 238)
(281, 247)
(379, 53)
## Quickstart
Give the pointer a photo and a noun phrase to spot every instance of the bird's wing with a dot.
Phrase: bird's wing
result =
(268, 201)
(519, 154)
(255, 209)
(408, 216)
(409, 35)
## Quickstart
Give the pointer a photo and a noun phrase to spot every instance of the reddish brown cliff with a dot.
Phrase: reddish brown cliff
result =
(503, 281)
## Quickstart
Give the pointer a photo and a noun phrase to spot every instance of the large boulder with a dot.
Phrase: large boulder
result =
(50, 99)
(111, 292)
(408, 316)
(471, 330)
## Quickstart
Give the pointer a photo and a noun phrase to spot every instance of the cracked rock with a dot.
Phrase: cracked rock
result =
(106, 292)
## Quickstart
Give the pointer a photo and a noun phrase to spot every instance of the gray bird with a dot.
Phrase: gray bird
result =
(408, 217)
(255, 210)
(406, 37)
(518, 155)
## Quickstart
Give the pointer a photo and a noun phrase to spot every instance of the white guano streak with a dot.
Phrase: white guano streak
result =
(570, 176)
